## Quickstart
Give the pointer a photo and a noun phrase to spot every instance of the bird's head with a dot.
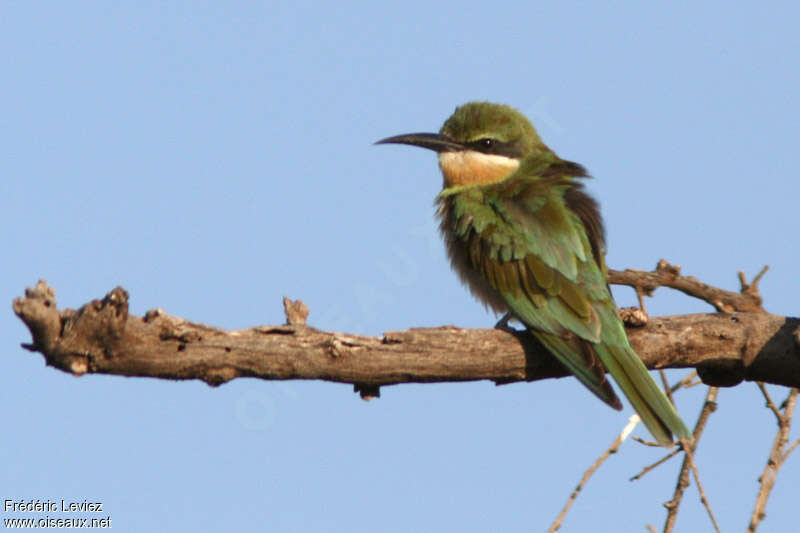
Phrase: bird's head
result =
(480, 143)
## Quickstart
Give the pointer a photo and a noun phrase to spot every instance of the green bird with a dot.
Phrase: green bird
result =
(528, 241)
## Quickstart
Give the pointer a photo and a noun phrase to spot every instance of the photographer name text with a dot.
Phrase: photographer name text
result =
(52, 506)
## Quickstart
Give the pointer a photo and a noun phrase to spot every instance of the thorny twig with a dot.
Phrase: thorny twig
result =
(748, 299)
(791, 448)
(665, 383)
(777, 455)
(770, 404)
(694, 383)
(658, 463)
(709, 407)
(685, 382)
(668, 275)
(752, 287)
(632, 421)
(640, 298)
(687, 447)
(651, 443)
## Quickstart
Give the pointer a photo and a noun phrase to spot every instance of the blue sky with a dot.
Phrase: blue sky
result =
(213, 157)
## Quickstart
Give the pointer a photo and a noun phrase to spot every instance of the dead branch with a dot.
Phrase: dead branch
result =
(672, 506)
(777, 455)
(687, 448)
(667, 275)
(683, 383)
(102, 337)
(629, 427)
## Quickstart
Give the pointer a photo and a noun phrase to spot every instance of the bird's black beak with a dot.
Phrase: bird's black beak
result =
(431, 141)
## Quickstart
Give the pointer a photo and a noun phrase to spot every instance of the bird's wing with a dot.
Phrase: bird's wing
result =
(534, 251)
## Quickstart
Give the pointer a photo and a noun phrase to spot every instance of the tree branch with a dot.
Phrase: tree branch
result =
(102, 337)
(614, 448)
(667, 275)
(672, 506)
(777, 455)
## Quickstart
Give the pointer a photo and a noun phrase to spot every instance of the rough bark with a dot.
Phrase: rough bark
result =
(102, 337)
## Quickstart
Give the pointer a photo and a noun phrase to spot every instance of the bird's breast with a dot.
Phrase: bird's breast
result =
(458, 253)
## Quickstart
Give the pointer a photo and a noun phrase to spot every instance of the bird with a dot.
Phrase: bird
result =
(528, 241)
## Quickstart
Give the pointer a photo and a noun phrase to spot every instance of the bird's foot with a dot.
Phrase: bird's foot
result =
(633, 317)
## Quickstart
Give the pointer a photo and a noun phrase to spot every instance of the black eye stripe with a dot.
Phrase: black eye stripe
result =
(485, 144)
(488, 145)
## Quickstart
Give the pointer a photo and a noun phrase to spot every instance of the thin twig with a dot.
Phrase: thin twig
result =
(632, 421)
(777, 456)
(640, 297)
(668, 275)
(760, 275)
(752, 287)
(693, 384)
(791, 448)
(665, 384)
(651, 443)
(658, 463)
(687, 445)
(709, 406)
(770, 404)
(685, 382)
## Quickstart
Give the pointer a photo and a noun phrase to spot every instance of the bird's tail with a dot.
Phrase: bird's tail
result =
(579, 358)
(647, 398)
(589, 361)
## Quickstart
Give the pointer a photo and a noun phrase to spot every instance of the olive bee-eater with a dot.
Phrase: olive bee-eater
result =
(527, 240)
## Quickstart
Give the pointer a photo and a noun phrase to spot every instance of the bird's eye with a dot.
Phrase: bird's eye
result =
(486, 143)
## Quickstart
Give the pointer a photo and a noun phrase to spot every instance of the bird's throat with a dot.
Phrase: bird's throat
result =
(469, 167)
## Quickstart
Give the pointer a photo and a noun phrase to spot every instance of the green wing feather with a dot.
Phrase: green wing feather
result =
(520, 235)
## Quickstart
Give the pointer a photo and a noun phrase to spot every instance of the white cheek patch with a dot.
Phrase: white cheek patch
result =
(468, 167)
